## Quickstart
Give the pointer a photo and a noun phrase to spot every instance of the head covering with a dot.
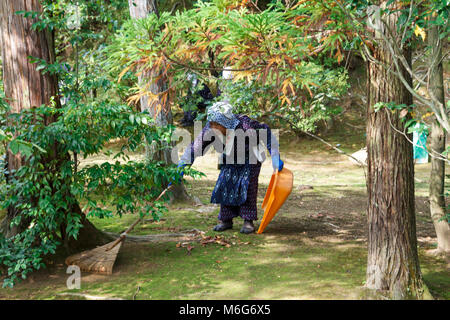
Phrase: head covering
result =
(222, 113)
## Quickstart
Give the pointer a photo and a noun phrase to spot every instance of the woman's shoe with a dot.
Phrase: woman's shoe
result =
(223, 225)
(248, 227)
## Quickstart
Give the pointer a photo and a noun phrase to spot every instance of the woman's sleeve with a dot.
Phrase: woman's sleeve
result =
(198, 147)
(270, 139)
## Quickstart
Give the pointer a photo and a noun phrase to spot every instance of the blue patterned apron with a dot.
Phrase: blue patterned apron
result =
(232, 185)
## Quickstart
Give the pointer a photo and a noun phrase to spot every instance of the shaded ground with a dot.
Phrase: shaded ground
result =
(315, 248)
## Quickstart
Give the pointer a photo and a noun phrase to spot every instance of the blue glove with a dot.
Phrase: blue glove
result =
(180, 165)
(277, 163)
(281, 165)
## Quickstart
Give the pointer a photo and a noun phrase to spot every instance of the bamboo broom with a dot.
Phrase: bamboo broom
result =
(101, 259)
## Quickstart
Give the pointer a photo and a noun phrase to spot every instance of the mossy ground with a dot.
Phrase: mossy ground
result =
(315, 248)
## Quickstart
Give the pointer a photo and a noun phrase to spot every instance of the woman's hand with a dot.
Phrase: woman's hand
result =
(277, 163)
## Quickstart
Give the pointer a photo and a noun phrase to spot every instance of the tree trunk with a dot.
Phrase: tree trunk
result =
(88, 236)
(393, 263)
(160, 110)
(25, 87)
(141, 8)
(437, 176)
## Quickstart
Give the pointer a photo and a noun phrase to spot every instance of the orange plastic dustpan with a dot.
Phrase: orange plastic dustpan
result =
(280, 187)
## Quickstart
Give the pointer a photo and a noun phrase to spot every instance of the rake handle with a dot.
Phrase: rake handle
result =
(124, 234)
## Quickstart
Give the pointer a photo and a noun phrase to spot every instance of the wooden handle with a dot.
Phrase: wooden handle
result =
(124, 234)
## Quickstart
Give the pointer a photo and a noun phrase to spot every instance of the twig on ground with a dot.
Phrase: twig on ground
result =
(137, 291)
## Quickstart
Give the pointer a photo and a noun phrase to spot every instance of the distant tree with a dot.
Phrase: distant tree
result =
(422, 26)
(438, 133)
(156, 83)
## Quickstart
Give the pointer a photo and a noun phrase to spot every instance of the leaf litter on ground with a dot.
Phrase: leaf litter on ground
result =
(205, 240)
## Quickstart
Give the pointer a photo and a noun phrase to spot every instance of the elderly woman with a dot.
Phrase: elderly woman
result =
(237, 185)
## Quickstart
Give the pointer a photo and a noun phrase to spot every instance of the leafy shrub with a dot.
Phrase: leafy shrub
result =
(45, 192)
(314, 105)
(273, 74)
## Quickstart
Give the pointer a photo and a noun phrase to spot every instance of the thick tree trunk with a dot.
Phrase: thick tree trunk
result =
(159, 109)
(393, 263)
(25, 87)
(437, 176)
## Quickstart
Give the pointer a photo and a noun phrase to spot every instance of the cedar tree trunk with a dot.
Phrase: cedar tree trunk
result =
(393, 263)
(25, 87)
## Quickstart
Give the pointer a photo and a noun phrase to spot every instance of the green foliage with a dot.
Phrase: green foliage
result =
(264, 101)
(45, 191)
(47, 188)
(16, 256)
(266, 49)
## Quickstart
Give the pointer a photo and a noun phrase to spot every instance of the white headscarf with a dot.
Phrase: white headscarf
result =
(222, 113)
